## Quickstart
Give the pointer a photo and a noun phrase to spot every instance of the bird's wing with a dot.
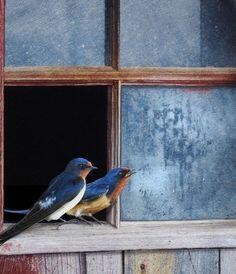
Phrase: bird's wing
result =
(55, 197)
(94, 191)
(62, 191)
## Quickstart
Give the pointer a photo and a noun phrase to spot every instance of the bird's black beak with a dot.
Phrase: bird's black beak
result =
(93, 167)
(131, 172)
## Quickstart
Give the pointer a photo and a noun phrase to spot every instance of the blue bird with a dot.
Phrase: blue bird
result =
(64, 192)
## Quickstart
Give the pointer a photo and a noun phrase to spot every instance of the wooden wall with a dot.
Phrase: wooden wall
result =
(205, 261)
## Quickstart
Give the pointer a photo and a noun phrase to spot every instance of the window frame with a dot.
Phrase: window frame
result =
(119, 235)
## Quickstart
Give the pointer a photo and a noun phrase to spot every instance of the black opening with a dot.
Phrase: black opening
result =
(46, 127)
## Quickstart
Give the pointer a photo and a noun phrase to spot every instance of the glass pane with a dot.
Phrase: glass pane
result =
(56, 32)
(182, 141)
(185, 33)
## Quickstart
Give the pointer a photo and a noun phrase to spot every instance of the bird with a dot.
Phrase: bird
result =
(101, 193)
(98, 196)
(64, 192)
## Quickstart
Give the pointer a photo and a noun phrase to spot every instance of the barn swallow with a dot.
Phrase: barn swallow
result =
(64, 192)
(101, 193)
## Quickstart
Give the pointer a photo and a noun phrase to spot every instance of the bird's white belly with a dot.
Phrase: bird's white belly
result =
(66, 207)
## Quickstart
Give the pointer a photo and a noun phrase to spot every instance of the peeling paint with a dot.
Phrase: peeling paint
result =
(24, 264)
(7, 247)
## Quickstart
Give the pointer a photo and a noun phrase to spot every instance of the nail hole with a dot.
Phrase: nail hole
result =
(142, 266)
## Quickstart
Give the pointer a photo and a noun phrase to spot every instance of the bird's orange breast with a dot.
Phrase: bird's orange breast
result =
(122, 183)
(90, 207)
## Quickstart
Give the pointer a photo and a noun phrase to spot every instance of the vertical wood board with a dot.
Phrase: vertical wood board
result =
(43, 264)
(172, 262)
(104, 262)
(227, 261)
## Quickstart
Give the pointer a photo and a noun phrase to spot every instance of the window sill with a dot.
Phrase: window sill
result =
(45, 238)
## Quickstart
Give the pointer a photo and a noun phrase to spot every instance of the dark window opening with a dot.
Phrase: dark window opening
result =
(46, 127)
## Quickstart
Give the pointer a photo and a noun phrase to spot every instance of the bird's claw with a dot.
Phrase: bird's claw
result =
(84, 220)
(97, 221)
(73, 221)
(102, 223)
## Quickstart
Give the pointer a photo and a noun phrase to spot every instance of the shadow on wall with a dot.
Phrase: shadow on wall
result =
(218, 33)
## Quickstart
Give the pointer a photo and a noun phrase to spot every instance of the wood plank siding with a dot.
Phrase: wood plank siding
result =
(195, 261)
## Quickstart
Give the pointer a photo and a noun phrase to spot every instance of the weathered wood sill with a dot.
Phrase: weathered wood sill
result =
(45, 238)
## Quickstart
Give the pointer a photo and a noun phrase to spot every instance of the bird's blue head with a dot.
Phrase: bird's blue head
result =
(118, 178)
(79, 167)
(116, 174)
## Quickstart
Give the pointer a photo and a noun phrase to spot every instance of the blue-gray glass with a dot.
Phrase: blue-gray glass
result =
(184, 33)
(55, 33)
(182, 142)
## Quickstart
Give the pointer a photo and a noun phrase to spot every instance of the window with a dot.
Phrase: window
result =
(146, 66)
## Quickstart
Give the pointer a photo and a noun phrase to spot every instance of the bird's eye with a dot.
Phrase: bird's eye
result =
(120, 173)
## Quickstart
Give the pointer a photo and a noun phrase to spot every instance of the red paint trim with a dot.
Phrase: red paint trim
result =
(197, 89)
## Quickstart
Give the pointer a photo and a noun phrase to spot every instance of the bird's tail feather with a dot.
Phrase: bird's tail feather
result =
(14, 230)
(23, 224)
(13, 211)
(35, 215)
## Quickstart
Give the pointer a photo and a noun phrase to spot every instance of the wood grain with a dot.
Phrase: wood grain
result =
(63, 263)
(227, 261)
(113, 141)
(45, 238)
(1, 106)
(170, 262)
(133, 76)
(30, 264)
(104, 262)
(149, 262)
(114, 33)
(43, 264)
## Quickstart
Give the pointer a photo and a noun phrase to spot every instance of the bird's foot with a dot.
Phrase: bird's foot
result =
(84, 220)
(96, 220)
(72, 221)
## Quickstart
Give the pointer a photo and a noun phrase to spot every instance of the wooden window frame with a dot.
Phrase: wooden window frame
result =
(119, 235)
